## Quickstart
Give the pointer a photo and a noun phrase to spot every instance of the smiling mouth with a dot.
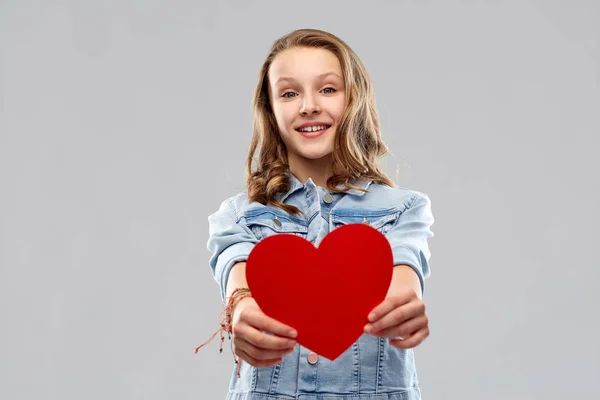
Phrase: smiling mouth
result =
(312, 130)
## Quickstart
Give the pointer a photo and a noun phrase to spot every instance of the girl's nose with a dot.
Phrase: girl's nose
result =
(310, 106)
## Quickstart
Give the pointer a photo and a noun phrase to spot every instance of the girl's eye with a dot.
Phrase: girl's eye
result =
(331, 90)
(286, 94)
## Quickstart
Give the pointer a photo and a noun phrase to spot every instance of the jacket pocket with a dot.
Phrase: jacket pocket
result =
(382, 221)
(266, 223)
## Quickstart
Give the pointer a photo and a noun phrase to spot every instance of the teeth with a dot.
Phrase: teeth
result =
(312, 128)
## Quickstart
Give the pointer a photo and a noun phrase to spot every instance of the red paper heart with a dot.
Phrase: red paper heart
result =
(327, 293)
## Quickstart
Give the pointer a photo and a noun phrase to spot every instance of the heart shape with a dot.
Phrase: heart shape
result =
(324, 293)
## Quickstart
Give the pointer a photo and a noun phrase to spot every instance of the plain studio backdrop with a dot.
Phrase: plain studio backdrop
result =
(124, 124)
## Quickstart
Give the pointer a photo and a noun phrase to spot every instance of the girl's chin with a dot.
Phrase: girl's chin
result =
(314, 155)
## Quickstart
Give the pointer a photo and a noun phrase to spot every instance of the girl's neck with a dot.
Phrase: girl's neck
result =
(318, 170)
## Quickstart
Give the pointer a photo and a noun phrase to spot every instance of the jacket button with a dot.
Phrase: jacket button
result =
(328, 198)
(366, 222)
(312, 358)
(277, 222)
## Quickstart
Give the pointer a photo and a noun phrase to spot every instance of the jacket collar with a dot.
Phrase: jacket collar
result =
(295, 185)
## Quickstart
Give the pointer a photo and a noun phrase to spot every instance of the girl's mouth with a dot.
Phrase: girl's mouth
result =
(313, 131)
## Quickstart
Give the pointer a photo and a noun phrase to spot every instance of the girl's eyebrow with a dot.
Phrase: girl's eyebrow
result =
(321, 76)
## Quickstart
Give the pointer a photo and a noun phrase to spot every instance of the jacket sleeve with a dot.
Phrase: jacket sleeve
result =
(230, 241)
(408, 237)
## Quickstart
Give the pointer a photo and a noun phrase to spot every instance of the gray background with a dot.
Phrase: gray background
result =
(124, 124)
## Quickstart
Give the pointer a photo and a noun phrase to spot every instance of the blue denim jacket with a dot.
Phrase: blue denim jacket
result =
(371, 369)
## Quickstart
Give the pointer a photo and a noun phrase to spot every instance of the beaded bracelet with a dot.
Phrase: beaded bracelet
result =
(228, 305)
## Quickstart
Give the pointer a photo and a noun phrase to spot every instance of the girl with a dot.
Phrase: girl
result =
(317, 133)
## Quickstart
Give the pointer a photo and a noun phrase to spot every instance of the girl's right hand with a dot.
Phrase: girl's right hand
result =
(254, 346)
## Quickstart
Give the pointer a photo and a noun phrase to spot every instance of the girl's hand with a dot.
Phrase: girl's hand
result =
(254, 346)
(401, 314)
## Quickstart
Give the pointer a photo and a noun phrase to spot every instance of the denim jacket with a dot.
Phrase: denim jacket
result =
(371, 369)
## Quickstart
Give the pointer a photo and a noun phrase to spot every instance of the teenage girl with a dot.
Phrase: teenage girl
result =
(312, 167)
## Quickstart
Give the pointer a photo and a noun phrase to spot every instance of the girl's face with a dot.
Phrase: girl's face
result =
(308, 99)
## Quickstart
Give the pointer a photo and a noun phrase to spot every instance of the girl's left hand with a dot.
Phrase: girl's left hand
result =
(400, 315)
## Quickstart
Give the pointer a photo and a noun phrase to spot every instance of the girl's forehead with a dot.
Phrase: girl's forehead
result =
(304, 63)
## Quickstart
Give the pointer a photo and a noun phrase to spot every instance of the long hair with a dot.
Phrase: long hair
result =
(358, 143)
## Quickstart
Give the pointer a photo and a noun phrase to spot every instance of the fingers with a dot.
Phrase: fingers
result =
(259, 320)
(254, 322)
(395, 316)
(390, 303)
(247, 311)
(405, 329)
(256, 362)
(413, 341)
(260, 339)
(256, 347)
(259, 353)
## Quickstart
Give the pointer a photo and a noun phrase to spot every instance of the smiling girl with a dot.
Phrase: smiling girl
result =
(312, 167)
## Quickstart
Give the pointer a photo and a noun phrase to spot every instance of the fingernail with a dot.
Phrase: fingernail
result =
(293, 334)
(371, 316)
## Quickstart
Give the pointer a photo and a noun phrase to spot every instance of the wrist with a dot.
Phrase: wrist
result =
(238, 295)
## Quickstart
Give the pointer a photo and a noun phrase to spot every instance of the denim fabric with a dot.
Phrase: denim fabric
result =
(371, 369)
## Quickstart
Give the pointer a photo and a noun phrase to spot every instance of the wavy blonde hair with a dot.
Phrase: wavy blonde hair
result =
(358, 143)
